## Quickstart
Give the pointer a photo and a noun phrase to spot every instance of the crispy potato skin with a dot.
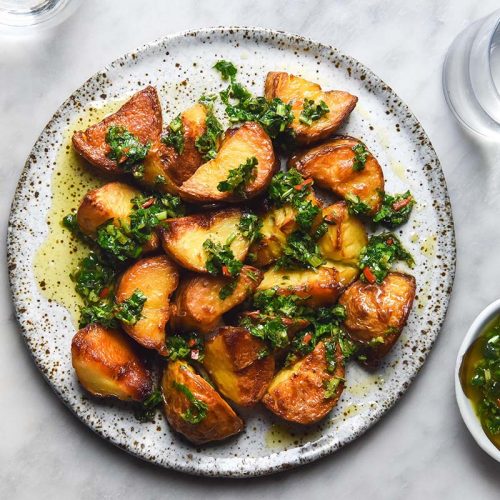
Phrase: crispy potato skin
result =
(197, 305)
(164, 160)
(294, 90)
(330, 165)
(297, 393)
(221, 421)
(346, 235)
(156, 278)
(375, 311)
(140, 115)
(320, 287)
(249, 140)
(106, 364)
(232, 360)
(111, 201)
(183, 238)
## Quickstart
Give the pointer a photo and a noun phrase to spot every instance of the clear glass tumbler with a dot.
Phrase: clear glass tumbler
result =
(471, 77)
(24, 15)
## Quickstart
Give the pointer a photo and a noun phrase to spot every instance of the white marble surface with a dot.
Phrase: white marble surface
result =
(421, 448)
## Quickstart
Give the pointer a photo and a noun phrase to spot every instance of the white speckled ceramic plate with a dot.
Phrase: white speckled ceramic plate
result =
(181, 68)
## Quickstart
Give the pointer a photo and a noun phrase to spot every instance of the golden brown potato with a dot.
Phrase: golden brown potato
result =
(376, 314)
(106, 364)
(198, 306)
(320, 287)
(249, 140)
(183, 238)
(346, 235)
(307, 391)
(111, 201)
(164, 168)
(295, 90)
(156, 278)
(277, 225)
(236, 362)
(140, 115)
(194, 408)
(331, 166)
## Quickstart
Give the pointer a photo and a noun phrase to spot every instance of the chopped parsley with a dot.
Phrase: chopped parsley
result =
(250, 226)
(228, 289)
(197, 410)
(207, 143)
(377, 257)
(221, 260)
(147, 409)
(239, 177)
(130, 310)
(312, 112)
(185, 347)
(272, 330)
(395, 210)
(355, 205)
(360, 156)
(127, 150)
(117, 241)
(175, 136)
(331, 387)
(300, 251)
(102, 312)
(241, 106)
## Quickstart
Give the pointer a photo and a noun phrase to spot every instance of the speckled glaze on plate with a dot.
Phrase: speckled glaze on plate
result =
(180, 67)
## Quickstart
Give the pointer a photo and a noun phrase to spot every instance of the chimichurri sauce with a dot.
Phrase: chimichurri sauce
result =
(480, 379)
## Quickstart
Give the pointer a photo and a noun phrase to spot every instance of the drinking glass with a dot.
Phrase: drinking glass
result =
(25, 15)
(471, 77)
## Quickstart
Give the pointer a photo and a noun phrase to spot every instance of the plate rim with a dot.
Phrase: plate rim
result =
(254, 466)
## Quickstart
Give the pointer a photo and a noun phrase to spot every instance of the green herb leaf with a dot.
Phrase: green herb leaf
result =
(146, 411)
(355, 205)
(227, 69)
(360, 156)
(197, 411)
(207, 143)
(331, 387)
(395, 210)
(185, 347)
(126, 149)
(175, 136)
(250, 226)
(300, 251)
(221, 260)
(239, 177)
(129, 311)
(228, 289)
(312, 112)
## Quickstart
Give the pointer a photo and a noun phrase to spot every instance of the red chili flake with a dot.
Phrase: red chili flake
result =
(191, 342)
(225, 272)
(370, 277)
(149, 202)
(398, 205)
(307, 338)
(390, 241)
(104, 292)
(303, 184)
(195, 354)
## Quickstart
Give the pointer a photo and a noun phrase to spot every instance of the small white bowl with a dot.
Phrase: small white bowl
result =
(466, 409)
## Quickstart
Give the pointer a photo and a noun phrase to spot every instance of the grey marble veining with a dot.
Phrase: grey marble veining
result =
(421, 448)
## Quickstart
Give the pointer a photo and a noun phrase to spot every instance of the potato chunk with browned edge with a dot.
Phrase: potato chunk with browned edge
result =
(376, 314)
(140, 115)
(107, 365)
(165, 169)
(345, 237)
(237, 363)
(156, 278)
(320, 287)
(198, 305)
(248, 141)
(113, 201)
(194, 408)
(331, 165)
(184, 237)
(295, 90)
(307, 391)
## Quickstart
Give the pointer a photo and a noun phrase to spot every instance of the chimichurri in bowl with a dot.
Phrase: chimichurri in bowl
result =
(477, 380)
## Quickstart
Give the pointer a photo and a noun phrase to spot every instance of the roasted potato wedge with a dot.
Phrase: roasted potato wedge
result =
(164, 168)
(140, 115)
(198, 306)
(106, 364)
(111, 201)
(319, 287)
(233, 358)
(331, 166)
(215, 421)
(157, 278)
(249, 140)
(307, 391)
(346, 235)
(376, 314)
(277, 225)
(184, 237)
(295, 90)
